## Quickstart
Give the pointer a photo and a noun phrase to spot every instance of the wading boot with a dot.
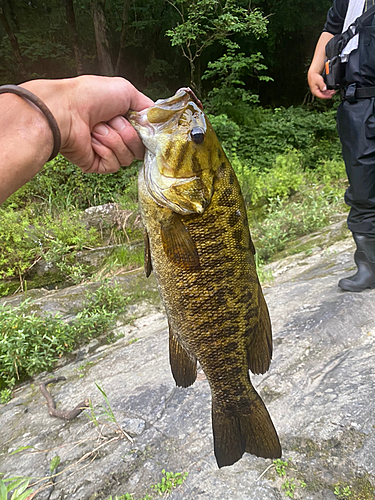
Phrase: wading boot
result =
(364, 257)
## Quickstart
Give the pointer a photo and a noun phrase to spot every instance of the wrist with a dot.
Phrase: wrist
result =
(314, 70)
(55, 95)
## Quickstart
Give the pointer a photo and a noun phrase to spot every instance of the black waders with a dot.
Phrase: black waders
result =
(364, 258)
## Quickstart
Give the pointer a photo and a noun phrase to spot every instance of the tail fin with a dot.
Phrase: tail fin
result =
(246, 428)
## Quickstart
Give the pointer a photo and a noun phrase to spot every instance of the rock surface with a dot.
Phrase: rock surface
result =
(319, 390)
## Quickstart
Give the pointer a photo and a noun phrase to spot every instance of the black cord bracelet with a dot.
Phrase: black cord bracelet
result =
(26, 94)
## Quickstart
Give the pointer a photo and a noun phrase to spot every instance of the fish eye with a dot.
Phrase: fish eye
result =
(197, 135)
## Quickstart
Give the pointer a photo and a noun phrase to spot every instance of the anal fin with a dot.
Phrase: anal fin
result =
(183, 365)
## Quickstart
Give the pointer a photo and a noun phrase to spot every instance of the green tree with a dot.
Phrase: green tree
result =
(204, 22)
(228, 73)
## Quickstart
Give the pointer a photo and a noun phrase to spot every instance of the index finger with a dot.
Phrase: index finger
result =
(100, 98)
(324, 94)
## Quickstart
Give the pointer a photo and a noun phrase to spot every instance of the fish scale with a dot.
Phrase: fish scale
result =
(199, 247)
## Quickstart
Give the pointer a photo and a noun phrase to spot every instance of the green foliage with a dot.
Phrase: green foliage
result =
(342, 492)
(5, 396)
(330, 170)
(124, 257)
(265, 134)
(30, 343)
(228, 73)
(108, 297)
(66, 185)
(106, 407)
(204, 22)
(228, 132)
(28, 235)
(283, 469)
(17, 485)
(314, 134)
(18, 248)
(169, 481)
(109, 419)
(66, 235)
(280, 466)
(289, 486)
(128, 196)
(281, 180)
(285, 221)
(55, 462)
(207, 21)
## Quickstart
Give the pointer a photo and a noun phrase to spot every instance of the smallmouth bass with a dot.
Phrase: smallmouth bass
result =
(197, 242)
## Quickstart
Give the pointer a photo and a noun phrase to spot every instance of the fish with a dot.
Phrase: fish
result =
(198, 245)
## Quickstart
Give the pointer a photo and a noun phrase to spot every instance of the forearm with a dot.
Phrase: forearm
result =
(314, 76)
(26, 143)
(89, 111)
(317, 63)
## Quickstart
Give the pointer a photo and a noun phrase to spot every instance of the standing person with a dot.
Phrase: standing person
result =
(356, 128)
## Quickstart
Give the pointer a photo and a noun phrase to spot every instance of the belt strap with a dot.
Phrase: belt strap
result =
(351, 94)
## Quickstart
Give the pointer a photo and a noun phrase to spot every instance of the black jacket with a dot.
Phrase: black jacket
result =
(336, 16)
(361, 66)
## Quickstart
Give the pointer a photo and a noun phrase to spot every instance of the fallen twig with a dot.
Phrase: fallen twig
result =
(65, 415)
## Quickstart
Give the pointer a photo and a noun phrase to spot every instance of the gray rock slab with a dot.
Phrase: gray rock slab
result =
(319, 390)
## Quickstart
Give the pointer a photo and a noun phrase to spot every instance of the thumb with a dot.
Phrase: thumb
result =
(322, 85)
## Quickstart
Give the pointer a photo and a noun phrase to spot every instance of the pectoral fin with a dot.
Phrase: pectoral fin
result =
(183, 365)
(147, 254)
(178, 244)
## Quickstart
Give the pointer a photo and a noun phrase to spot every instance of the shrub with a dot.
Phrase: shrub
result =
(18, 248)
(61, 185)
(285, 221)
(268, 134)
(31, 343)
(26, 237)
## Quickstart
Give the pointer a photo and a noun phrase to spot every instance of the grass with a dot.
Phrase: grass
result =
(283, 469)
(169, 482)
(20, 488)
(278, 219)
(31, 343)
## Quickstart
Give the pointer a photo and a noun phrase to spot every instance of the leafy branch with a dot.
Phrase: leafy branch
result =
(204, 22)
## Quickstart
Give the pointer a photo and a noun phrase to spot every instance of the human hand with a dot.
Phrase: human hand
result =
(89, 111)
(318, 87)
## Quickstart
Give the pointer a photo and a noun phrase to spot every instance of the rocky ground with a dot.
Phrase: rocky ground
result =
(319, 390)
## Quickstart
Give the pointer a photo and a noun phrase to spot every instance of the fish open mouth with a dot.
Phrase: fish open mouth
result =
(192, 95)
(140, 122)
